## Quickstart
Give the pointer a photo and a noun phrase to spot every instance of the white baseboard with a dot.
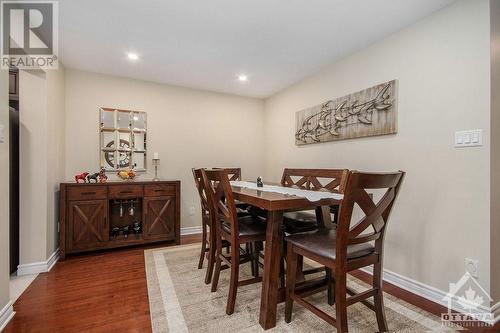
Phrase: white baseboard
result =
(421, 289)
(38, 267)
(191, 230)
(6, 314)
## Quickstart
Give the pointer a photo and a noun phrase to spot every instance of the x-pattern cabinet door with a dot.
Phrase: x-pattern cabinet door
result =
(87, 224)
(159, 218)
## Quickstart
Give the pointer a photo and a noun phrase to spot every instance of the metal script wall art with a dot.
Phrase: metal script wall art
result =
(369, 112)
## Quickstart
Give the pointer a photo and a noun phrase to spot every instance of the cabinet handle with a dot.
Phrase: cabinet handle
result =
(126, 192)
(88, 193)
(159, 190)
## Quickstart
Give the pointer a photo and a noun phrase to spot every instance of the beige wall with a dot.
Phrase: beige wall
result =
(4, 191)
(42, 136)
(33, 166)
(495, 149)
(55, 152)
(443, 67)
(189, 128)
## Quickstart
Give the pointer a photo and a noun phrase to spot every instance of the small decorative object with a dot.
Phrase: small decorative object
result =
(115, 232)
(368, 112)
(156, 163)
(131, 209)
(128, 174)
(93, 177)
(126, 230)
(131, 173)
(123, 175)
(102, 176)
(121, 209)
(136, 227)
(259, 182)
(82, 177)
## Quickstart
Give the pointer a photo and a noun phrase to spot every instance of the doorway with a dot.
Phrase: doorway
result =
(14, 168)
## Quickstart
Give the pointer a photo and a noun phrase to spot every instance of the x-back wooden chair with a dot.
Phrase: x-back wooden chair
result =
(237, 230)
(348, 248)
(208, 243)
(331, 180)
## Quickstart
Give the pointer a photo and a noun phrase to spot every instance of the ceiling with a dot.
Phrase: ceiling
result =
(206, 44)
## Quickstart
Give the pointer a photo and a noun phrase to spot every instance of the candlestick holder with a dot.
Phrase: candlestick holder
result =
(156, 163)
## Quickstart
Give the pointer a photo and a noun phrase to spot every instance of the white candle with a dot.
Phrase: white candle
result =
(156, 156)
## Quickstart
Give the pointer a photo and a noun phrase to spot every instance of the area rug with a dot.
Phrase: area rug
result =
(180, 301)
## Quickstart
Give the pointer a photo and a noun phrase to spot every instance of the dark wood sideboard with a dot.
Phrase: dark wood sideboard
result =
(90, 211)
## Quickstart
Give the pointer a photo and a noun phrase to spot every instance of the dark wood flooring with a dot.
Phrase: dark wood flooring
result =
(100, 292)
(107, 292)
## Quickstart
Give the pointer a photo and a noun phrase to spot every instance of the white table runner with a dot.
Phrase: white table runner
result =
(312, 196)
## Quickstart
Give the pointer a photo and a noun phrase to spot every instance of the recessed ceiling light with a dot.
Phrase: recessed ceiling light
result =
(132, 56)
(242, 78)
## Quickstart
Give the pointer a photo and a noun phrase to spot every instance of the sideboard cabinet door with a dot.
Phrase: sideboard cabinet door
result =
(159, 218)
(87, 224)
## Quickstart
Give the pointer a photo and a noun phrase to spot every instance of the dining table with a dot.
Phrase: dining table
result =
(276, 204)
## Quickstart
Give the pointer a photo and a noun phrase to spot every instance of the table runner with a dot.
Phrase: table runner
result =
(312, 196)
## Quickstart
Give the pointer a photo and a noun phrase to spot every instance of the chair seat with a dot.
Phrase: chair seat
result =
(303, 221)
(249, 226)
(322, 243)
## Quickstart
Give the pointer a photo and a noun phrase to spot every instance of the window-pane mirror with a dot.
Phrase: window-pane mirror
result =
(139, 141)
(123, 135)
(124, 120)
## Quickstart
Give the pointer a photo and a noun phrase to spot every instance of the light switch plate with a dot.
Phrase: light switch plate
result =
(469, 138)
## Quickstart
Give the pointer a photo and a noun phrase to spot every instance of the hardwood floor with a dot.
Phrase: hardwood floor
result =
(421, 302)
(107, 292)
(100, 292)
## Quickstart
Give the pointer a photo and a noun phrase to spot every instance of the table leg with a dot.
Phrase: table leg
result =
(270, 280)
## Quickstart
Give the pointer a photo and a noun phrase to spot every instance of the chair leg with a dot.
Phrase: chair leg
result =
(211, 259)
(203, 246)
(218, 263)
(233, 283)
(250, 250)
(282, 273)
(340, 302)
(255, 259)
(291, 275)
(300, 268)
(379, 298)
(215, 278)
(331, 286)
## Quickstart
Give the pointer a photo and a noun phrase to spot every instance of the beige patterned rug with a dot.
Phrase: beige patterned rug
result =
(180, 301)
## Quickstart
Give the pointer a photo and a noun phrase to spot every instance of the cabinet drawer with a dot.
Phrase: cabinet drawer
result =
(85, 192)
(158, 190)
(125, 191)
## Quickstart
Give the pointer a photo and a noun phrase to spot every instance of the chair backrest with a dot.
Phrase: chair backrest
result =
(221, 200)
(376, 213)
(200, 185)
(233, 173)
(311, 179)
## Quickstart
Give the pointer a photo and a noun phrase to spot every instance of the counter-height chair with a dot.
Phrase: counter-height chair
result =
(237, 230)
(349, 247)
(234, 174)
(208, 232)
(331, 180)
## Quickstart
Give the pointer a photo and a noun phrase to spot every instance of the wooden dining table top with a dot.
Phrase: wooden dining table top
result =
(272, 201)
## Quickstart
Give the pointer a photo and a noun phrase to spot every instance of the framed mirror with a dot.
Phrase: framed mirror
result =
(123, 139)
